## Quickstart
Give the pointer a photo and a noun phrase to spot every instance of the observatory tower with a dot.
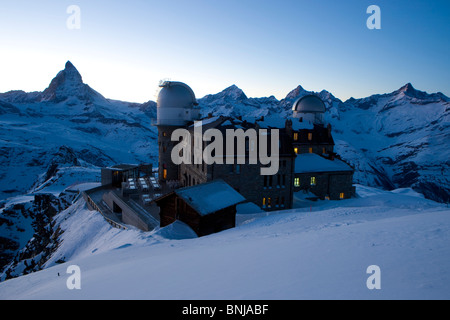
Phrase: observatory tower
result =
(176, 107)
(309, 108)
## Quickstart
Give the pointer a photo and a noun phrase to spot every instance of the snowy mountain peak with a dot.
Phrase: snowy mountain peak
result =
(68, 83)
(234, 92)
(407, 87)
(231, 94)
(296, 93)
(72, 73)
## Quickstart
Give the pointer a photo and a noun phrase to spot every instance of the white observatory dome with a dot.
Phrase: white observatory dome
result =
(176, 104)
(309, 108)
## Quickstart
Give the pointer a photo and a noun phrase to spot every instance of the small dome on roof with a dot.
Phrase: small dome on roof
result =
(176, 95)
(309, 104)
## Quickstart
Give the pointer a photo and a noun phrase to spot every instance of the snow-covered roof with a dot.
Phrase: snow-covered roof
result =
(276, 121)
(210, 197)
(311, 162)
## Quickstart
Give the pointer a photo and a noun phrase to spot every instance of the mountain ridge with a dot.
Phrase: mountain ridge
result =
(384, 136)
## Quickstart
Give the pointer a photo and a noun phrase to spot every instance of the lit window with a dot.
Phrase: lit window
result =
(310, 150)
(341, 195)
(310, 136)
(269, 203)
(296, 150)
(296, 182)
(264, 202)
(313, 181)
(164, 134)
(164, 173)
(295, 136)
(324, 151)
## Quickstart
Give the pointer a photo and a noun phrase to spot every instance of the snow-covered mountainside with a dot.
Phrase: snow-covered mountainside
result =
(68, 124)
(60, 137)
(319, 250)
(393, 140)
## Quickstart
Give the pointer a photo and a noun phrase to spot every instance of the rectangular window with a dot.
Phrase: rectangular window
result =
(341, 195)
(324, 151)
(313, 181)
(310, 150)
(164, 173)
(295, 136)
(296, 182)
(269, 202)
(264, 202)
(296, 150)
(238, 168)
(310, 136)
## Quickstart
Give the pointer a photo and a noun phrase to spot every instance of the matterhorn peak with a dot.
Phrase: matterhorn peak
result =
(68, 83)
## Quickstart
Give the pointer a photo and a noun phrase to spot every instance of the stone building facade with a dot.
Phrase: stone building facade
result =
(303, 133)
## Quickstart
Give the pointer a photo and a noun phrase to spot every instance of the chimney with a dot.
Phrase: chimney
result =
(288, 127)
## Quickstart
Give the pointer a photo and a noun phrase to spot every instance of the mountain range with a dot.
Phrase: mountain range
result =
(393, 140)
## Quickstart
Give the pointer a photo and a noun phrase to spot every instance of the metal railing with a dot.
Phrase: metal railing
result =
(94, 206)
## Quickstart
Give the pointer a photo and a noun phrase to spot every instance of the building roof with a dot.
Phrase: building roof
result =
(175, 94)
(123, 166)
(311, 162)
(275, 121)
(210, 197)
(309, 104)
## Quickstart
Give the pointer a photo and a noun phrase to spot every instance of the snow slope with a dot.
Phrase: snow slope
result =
(319, 250)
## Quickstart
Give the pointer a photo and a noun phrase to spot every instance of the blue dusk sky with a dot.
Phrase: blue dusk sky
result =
(123, 48)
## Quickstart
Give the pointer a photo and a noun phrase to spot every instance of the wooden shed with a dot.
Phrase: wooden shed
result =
(207, 208)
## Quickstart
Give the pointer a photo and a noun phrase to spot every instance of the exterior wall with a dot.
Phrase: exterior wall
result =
(167, 212)
(106, 175)
(316, 148)
(128, 215)
(327, 184)
(255, 187)
(190, 173)
(217, 221)
(321, 140)
(174, 208)
(165, 146)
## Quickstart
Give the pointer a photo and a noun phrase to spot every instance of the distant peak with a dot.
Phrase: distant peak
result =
(407, 88)
(71, 72)
(68, 82)
(234, 92)
(296, 92)
(69, 65)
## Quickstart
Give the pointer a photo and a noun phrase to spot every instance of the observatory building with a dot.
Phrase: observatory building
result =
(307, 161)
(176, 107)
(205, 196)
(309, 108)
